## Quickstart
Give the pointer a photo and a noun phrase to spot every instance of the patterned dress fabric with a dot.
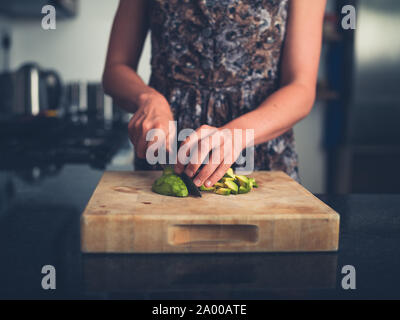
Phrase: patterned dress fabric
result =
(215, 60)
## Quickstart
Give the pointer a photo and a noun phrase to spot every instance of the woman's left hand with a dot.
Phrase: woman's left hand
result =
(215, 143)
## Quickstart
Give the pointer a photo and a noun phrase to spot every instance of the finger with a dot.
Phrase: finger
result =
(170, 137)
(141, 147)
(133, 119)
(155, 147)
(200, 153)
(169, 146)
(182, 158)
(218, 174)
(206, 172)
(171, 155)
(184, 151)
(131, 128)
(156, 144)
(134, 129)
(190, 147)
(209, 141)
(141, 142)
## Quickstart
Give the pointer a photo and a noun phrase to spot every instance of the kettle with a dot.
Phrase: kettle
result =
(36, 90)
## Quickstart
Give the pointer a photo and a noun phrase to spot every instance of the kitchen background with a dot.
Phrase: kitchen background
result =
(348, 144)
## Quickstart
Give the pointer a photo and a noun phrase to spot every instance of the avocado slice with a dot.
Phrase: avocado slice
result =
(223, 191)
(229, 174)
(250, 184)
(253, 182)
(219, 185)
(223, 180)
(204, 188)
(244, 190)
(232, 186)
(243, 181)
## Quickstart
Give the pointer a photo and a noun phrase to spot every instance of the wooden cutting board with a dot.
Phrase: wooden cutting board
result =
(125, 216)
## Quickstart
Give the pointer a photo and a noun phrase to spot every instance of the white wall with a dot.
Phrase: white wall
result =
(77, 50)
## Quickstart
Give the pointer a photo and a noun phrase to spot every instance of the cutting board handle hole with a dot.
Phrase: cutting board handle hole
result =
(212, 234)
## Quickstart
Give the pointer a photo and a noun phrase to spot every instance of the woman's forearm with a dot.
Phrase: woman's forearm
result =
(277, 114)
(128, 34)
(125, 86)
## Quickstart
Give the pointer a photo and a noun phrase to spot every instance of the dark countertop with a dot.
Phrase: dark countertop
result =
(39, 225)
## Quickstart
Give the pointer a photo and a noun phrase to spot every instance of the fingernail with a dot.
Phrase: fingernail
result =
(208, 183)
(189, 173)
(197, 182)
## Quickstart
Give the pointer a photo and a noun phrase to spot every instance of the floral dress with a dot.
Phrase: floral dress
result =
(215, 60)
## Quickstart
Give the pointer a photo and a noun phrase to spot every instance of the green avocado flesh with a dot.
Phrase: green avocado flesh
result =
(231, 183)
(170, 184)
(223, 191)
(203, 188)
(232, 186)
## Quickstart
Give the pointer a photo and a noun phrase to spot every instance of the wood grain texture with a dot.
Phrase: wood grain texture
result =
(125, 216)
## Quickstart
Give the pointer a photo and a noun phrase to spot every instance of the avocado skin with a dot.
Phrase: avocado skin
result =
(169, 184)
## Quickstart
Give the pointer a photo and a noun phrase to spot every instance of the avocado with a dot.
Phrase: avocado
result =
(223, 180)
(219, 185)
(244, 190)
(203, 188)
(250, 184)
(232, 186)
(229, 174)
(223, 191)
(253, 183)
(169, 184)
(243, 181)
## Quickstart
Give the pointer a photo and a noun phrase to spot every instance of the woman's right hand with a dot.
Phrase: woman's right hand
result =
(153, 112)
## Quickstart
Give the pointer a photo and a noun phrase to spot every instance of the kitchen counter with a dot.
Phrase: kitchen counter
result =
(39, 225)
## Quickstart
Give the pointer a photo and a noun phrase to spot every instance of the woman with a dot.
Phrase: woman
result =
(219, 65)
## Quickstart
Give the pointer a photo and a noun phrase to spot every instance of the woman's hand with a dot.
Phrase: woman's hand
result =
(153, 112)
(218, 144)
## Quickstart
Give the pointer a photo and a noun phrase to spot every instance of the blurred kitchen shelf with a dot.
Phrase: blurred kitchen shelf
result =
(52, 142)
